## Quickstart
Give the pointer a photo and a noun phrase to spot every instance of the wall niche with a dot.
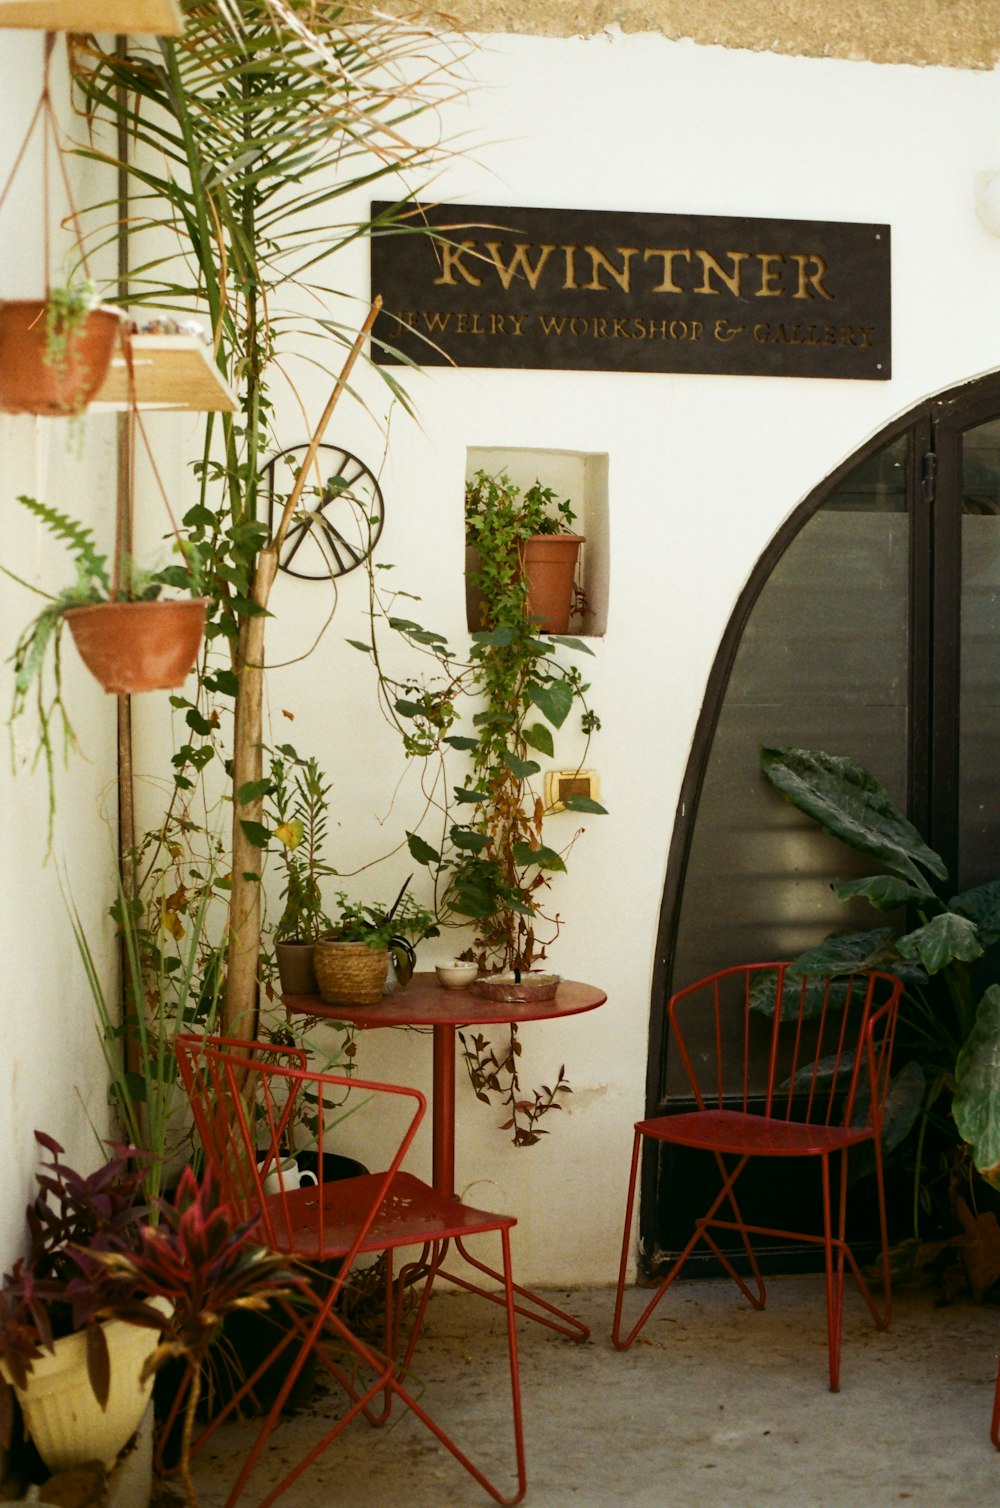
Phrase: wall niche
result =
(581, 476)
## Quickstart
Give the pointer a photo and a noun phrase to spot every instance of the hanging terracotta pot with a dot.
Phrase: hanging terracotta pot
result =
(139, 646)
(549, 565)
(33, 379)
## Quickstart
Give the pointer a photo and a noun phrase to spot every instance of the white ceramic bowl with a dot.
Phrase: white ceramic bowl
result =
(457, 975)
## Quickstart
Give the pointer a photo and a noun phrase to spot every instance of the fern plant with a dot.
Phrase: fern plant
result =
(42, 637)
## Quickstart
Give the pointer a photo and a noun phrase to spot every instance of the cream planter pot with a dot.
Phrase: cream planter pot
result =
(61, 1414)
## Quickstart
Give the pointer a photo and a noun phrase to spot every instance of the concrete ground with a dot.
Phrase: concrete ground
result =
(715, 1406)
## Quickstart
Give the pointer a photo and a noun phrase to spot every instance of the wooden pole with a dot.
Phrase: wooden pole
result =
(240, 1005)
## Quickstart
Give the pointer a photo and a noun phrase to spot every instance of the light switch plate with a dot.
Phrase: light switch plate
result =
(562, 783)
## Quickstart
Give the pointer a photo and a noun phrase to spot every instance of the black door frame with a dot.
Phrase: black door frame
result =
(934, 427)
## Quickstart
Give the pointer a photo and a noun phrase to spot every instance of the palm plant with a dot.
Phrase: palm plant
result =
(262, 115)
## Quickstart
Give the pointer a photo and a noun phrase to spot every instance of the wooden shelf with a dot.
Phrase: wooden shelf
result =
(171, 372)
(135, 17)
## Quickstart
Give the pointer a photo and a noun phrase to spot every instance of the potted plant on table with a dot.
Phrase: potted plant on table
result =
(513, 537)
(300, 811)
(75, 1372)
(353, 960)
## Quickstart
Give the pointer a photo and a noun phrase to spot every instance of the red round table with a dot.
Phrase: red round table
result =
(424, 1002)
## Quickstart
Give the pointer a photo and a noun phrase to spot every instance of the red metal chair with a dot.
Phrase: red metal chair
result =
(250, 1101)
(778, 1066)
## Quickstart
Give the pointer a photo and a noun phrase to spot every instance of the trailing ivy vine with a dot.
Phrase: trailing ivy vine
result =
(491, 865)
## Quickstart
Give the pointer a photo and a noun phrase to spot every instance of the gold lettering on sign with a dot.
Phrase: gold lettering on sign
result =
(667, 285)
(600, 263)
(519, 262)
(814, 335)
(771, 285)
(710, 265)
(569, 281)
(453, 263)
(814, 278)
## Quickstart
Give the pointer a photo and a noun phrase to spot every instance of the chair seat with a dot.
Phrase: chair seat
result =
(321, 1221)
(737, 1132)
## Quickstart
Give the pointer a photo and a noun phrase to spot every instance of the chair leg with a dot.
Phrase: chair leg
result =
(995, 1422)
(623, 1263)
(387, 1379)
(701, 1233)
(728, 1192)
(834, 1276)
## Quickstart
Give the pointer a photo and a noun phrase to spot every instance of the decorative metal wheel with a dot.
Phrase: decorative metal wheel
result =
(340, 515)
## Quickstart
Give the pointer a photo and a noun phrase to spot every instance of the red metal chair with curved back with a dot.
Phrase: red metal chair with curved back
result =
(249, 1101)
(778, 1066)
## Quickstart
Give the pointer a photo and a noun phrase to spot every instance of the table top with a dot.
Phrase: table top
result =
(424, 1002)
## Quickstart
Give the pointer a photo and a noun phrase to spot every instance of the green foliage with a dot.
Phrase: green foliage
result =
(172, 980)
(497, 512)
(66, 309)
(491, 865)
(402, 925)
(39, 645)
(957, 1044)
(300, 812)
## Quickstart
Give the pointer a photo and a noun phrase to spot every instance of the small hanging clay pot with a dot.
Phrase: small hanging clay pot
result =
(549, 565)
(32, 379)
(139, 646)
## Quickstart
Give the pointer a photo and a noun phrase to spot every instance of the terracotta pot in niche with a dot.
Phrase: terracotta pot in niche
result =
(549, 565)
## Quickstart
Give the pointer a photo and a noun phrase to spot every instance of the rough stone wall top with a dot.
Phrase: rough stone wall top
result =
(954, 33)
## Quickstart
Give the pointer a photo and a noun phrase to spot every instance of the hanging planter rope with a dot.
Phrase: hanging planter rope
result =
(55, 351)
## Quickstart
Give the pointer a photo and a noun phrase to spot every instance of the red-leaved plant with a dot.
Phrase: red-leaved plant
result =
(202, 1260)
(50, 1293)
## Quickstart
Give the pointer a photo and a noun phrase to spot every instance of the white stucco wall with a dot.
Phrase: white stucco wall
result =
(51, 1070)
(701, 470)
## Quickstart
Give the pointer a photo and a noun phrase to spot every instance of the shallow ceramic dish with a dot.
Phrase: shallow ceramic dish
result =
(517, 990)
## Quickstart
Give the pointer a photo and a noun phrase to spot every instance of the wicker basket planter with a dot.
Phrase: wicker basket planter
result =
(350, 973)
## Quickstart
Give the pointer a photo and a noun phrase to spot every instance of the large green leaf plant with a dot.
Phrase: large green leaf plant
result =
(953, 1030)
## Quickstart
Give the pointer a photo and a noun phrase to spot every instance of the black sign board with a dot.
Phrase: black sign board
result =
(598, 290)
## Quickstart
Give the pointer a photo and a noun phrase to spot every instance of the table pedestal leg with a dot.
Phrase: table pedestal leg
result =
(443, 1111)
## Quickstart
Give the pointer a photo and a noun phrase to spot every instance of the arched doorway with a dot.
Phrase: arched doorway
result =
(870, 627)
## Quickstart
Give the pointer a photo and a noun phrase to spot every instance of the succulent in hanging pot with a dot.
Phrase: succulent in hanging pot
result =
(55, 352)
